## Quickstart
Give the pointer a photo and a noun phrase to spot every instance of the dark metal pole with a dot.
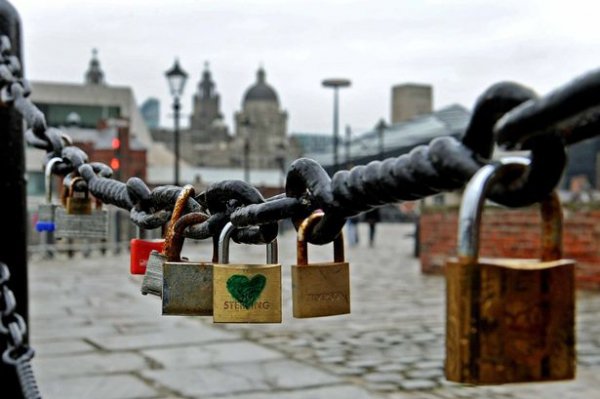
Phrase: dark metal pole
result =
(13, 248)
(335, 84)
(176, 108)
(246, 158)
(380, 131)
(335, 129)
(348, 142)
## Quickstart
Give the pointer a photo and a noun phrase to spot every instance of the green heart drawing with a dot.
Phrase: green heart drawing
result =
(244, 290)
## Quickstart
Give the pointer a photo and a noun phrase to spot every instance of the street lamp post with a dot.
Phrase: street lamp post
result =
(245, 125)
(335, 84)
(381, 126)
(176, 77)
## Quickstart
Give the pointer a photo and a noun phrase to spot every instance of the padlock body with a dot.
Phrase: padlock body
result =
(140, 252)
(247, 293)
(187, 289)
(321, 289)
(94, 225)
(153, 278)
(78, 205)
(510, 320)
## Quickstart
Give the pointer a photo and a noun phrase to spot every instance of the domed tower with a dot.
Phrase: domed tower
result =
(262, 123)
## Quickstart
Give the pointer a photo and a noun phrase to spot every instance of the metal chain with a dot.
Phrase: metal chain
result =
(507, 113)
(13, 327)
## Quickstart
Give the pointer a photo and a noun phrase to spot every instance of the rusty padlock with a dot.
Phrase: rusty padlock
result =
(153, 279)
(187, 286)
(320, 289)
(246, 293)
(509, 320)
(140, 252)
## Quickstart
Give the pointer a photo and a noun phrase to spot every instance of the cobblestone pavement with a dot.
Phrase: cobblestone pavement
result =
(97, 337)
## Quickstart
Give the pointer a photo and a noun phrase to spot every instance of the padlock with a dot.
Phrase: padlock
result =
(246, 293)
(78, 219)
(140, 252)
(46, 212)
(509, 320)
(187, 286)
(320, 289)
(77, 202)
(153, 278)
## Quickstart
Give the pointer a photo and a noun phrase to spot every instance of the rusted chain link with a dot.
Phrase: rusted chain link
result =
(13, 328)
(507, 113)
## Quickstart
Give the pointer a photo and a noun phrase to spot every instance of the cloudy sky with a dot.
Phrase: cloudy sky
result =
(460, 47)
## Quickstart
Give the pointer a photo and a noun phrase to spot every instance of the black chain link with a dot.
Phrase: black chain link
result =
(14, 329)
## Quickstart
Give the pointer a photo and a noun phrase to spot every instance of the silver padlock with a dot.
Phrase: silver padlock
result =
(70, 223)
(46, 212)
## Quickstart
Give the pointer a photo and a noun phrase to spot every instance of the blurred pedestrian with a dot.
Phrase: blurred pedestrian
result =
(352, 230)
(372, 217)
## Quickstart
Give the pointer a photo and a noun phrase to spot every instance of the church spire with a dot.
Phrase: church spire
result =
(94, 74)
(206, 87)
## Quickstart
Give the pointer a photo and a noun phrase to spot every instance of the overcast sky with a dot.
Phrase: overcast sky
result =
(460, 47)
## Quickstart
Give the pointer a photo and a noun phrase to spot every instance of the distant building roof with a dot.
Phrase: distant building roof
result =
(402, 137)
(103, 95)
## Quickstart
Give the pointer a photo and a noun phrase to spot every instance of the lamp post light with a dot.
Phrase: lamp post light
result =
(381, 126)
(176, 77)
(335, 84)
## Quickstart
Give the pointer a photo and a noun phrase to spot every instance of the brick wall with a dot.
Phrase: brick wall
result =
(514, 233)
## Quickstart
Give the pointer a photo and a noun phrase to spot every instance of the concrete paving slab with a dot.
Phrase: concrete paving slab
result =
(332, 392)
(100, 387)
(176, 337)
(212, 354)
(88, 364)
(244, 377)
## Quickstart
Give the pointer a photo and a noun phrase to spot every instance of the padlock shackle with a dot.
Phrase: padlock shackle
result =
(48, 178)
(186, 192)
(223, 246)
(471, 208)
(302, 242)
(173, 252)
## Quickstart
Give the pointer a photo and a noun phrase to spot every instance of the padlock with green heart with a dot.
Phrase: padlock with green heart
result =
(246, 293)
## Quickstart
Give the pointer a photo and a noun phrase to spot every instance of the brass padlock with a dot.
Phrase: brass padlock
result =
(153, 278)
(509, 320)
(246, 293)
(187, 286)
(77, 202)
(78, 219)
(320, 289)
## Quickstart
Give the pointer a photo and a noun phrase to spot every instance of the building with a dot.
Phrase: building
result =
(93, 102)
(261, 129)
(150, 110)
(400, 138)
(410, 100)
(259, 142)
(313, 142)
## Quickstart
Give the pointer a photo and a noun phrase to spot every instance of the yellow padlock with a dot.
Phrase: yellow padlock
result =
(246, 293)
(320, 289)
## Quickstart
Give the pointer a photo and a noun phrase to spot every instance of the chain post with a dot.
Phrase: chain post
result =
(13, 251)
